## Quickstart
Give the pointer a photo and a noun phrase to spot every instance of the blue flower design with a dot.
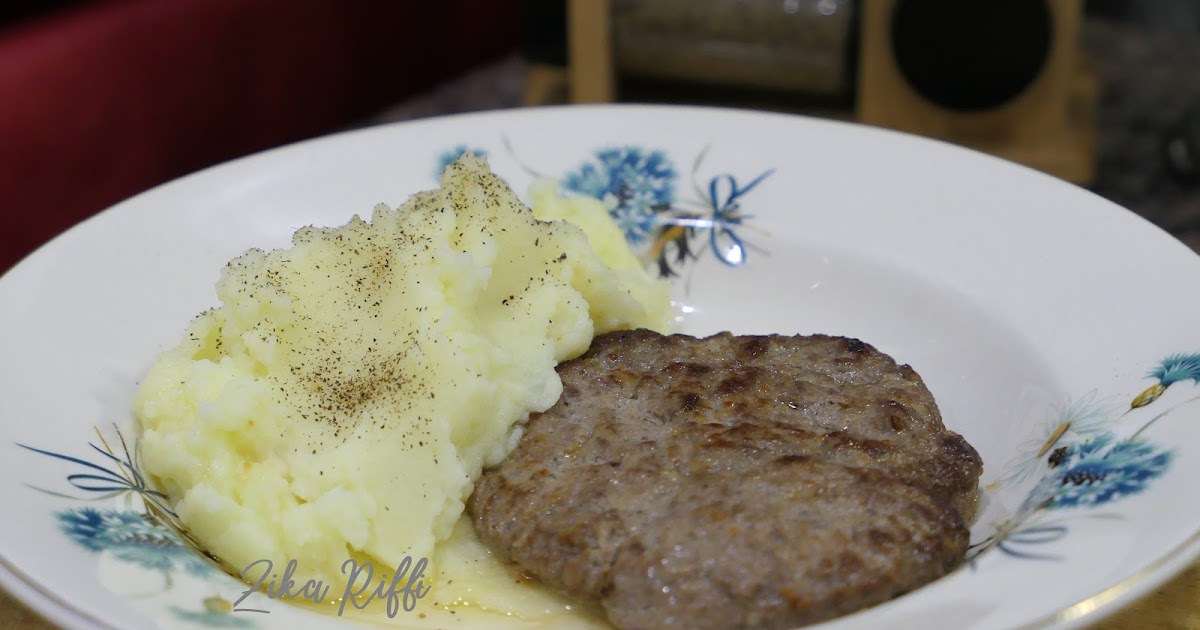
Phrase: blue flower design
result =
(132, 538)
(1176, 368)
(121, 477)
(1015, 544)
(1082, 418)
(632, 183)
(1173, 369)
(1086, 474)
(1100, 471)
(448, 157)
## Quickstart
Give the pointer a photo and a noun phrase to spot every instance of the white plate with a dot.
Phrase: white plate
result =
(1026, 303)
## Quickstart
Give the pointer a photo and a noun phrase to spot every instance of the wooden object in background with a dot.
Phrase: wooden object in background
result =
(590, 51)
(1049, 125)
(797, 48)
(545, 84)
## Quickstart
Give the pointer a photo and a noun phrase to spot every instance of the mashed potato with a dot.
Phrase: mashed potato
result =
(346, 393)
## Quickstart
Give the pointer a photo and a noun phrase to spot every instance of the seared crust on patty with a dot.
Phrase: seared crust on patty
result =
(732, 482)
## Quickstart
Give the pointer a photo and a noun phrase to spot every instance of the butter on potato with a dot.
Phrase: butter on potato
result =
(348, 390)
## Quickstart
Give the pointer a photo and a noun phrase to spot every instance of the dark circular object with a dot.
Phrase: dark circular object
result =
(971, 55)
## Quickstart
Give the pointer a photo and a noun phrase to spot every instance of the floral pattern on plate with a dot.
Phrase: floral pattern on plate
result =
(640, 189)
(143, 534)
(1085, 459)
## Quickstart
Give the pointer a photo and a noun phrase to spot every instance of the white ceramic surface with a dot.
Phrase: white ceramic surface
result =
(1044, 319)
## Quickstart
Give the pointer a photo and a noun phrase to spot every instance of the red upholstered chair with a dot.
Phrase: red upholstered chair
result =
(100, 100)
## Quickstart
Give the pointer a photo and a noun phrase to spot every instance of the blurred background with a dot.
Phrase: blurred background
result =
(101, 99)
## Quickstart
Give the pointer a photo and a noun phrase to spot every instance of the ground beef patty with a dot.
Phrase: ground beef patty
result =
(732, 482)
